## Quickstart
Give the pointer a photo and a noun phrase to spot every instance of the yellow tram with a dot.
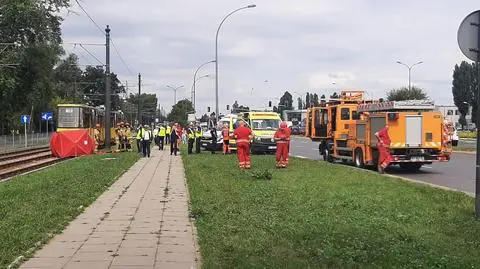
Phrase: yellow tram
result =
(82, 117)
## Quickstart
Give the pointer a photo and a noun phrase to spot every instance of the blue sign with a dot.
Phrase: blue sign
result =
(25, 119)
(48, 116)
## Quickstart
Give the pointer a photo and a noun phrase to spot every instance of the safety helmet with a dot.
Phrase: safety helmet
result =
(97, 125)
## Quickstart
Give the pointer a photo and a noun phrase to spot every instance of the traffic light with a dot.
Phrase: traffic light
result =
(228, 107)
(269, 103)
(208, 109)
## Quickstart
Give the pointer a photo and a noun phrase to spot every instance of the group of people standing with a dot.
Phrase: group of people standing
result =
(161, 135)
(243, 135)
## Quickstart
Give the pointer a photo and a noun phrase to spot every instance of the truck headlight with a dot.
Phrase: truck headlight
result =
(273, 140)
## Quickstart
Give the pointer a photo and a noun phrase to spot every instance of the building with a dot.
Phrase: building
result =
(451, 113)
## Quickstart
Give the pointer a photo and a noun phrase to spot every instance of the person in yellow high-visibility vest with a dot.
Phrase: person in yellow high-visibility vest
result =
(198, 139)
(139, 138)
(168, 132)
(191, 138)
(161, 137)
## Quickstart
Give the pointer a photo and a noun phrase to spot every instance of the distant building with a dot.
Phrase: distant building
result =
(451, 113)
(294, 115)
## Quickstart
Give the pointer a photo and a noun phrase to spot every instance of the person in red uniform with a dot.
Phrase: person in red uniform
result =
(383, 146)
(226, 139)
(282, 137)
(243, 135)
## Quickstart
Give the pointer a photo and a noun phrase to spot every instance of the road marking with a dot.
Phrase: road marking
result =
(429, 167)
(300, 157)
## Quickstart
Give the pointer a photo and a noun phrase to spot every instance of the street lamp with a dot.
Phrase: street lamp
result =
(175, 93)
(216, 55)
(409, 71)
(195, 79)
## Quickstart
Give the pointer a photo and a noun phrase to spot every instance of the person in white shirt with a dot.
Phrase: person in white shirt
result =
(147, 140)
(155, 135)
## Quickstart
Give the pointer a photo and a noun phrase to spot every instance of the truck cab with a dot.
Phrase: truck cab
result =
(264, 125)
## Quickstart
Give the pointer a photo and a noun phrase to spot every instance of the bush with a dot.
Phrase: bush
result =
(467, 134)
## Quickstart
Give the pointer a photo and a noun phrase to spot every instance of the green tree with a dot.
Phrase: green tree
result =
(286, 103)
(68, 78)
(307, 100)
(334, 96)
(315, 100)
(404, 93)
(148, 107)
(463, 89)
(94, 91)
(180, 112)
(300, 103)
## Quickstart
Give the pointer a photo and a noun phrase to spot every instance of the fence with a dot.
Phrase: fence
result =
(16, 141)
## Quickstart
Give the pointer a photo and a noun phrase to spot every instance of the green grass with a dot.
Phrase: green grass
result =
(319, 215)
(34, 205)
(466, 134)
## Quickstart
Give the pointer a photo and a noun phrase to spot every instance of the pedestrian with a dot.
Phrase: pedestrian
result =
(146, 141)
(226, 139)
(243, 135)
(383, 145)
(155, 135)
(161, 137)
(167, 134)
(174, 140)
(213, 145)
(198, 139)
(128, 137)
(191, 138)
(282, 137)
(139, 139)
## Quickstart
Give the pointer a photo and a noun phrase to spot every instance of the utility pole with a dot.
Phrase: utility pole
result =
(139, 116)
(107, 91)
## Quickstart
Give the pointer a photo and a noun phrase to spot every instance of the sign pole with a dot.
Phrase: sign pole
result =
(25, 127)
(477, 170)
(47, 130)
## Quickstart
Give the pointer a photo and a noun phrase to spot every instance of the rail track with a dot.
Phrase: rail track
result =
(19, 162)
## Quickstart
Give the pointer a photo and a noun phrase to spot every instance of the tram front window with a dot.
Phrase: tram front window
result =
(69, 117)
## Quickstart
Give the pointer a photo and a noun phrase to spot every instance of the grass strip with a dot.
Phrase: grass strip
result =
(37, 204)
(320, 215)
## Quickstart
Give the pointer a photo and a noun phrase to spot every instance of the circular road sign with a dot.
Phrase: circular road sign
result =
(468, 35)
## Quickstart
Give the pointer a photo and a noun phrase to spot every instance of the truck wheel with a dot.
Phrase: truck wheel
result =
(359, 158)
(411, 167)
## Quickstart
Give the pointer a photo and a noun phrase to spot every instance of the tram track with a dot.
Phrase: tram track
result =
(20, 162)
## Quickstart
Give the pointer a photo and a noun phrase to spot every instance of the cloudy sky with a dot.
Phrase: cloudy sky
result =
(303, 45)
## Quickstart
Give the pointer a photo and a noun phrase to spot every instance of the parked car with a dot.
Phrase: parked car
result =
(298, 129)
(206, 140)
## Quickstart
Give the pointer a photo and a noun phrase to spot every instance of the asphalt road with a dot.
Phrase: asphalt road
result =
(458, 173)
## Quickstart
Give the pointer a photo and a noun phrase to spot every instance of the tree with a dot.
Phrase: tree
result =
(307, 100)
(322, 99)
(286, 103)
(148, 107)
(334, 96)
(204, 118)
(300, 103)
(463, 90)
(404, 93)
(180, 112)
(94, 91)
(315, 100)
(68, 77)
(238, 108)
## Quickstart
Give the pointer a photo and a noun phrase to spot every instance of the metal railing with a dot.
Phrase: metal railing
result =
(16, 141)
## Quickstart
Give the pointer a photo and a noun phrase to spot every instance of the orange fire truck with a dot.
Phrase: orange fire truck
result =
(346, 130)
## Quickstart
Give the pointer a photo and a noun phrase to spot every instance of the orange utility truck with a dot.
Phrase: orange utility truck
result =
(346, 131)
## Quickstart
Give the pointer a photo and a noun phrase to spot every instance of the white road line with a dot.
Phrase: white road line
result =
(429, 167)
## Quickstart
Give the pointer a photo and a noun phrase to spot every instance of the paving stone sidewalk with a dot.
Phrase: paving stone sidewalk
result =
(141, 221)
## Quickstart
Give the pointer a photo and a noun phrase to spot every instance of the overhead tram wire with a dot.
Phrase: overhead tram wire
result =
(91, 54)
(111, 40)
(90, 17)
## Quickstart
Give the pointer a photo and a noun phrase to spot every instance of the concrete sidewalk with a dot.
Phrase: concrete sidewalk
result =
(141, 221)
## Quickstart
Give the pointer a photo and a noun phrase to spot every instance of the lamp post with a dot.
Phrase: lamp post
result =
(216, 55)
(195, 79)
(409, 71)
(175, 93)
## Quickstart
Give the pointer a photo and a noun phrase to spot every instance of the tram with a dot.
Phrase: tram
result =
(74, 117)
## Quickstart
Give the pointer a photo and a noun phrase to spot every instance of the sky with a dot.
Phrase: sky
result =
(318, 46)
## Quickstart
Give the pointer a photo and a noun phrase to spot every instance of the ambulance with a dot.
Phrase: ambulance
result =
(264, 124)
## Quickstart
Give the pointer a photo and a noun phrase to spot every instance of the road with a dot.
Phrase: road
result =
(458, 173)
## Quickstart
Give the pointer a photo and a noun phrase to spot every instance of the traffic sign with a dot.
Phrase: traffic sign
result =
(48, 116)
(25, 119)
(468, 35)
